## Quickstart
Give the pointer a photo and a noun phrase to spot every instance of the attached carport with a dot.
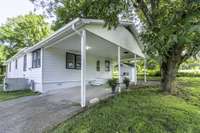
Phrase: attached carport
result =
(92, 37)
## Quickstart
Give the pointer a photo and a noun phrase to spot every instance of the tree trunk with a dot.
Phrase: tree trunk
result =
(169, 70)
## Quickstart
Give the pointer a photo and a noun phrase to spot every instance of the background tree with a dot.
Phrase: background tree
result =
(5, 53)
(171, 28)
(67, 10)
(20, 32)
(23, 31)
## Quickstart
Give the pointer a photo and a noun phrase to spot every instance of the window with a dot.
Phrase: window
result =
(98, 66)
(10, 67)
(107, 65)
(16, 64)
(73, 61)
(78, 62)
(36, 59)
(25, 63)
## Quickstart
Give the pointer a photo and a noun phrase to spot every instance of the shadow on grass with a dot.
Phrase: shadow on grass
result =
(16, 94)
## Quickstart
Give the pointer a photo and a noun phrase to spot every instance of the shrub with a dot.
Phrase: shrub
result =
(1, 79)
(126, 81)
(113, 84)
(188, 74)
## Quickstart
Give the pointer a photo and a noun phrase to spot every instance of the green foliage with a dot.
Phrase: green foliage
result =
(5, 53)
(67, 10)
(20, 32)
(141, 111)
(175, 31)
(23, 31)
(188, 74)
(190, 64)
(1, 78)
(152, 67)
(126, 81)
(112, 82)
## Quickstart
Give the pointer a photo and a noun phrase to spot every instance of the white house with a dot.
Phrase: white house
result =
(80, 52)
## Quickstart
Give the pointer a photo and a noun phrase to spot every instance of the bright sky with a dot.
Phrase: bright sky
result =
(12, 8)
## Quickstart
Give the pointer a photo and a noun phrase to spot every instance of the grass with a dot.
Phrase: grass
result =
(15, 94)
(144, 110)
(149, 78)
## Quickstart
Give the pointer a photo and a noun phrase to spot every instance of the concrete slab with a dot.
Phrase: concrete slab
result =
(34, 114)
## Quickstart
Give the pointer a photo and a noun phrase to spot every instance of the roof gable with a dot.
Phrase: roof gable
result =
(119, 36)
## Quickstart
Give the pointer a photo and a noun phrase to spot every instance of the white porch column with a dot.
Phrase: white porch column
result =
(119, 67)
(83, 68)
(145, 70)
(135, 69)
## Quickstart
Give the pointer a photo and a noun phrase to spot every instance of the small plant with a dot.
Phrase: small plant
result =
(126, 81)
(113, 84)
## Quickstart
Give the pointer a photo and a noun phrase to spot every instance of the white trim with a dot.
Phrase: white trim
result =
(42, 67)
(119, 67)
(135, 58)
(83, 68)
(78, 22)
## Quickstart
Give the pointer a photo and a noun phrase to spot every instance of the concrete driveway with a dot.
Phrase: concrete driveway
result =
(34, 114)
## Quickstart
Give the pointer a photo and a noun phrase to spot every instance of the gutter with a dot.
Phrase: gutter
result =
(71, 25)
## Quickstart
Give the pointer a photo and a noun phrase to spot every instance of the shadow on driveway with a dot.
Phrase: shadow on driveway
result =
(34, 114)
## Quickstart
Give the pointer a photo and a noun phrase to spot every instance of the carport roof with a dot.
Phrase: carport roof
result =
(64, 31)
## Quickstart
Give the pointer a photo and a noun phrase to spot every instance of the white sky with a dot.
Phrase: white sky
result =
(12, 8)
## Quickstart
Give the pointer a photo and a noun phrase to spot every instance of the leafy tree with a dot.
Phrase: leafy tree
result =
(20, 32)
(67, 10)
(23, 31)
(172, 35)
(5, 53)
(171, 28)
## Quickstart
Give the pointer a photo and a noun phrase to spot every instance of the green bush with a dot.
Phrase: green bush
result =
(156, 73)
(126, 81)
(188, 74)
(1, 79)
(112, 84)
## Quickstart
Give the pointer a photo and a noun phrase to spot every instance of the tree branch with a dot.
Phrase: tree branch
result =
(143, 6)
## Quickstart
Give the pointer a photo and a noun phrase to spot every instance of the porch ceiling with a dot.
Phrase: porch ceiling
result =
(95, 46)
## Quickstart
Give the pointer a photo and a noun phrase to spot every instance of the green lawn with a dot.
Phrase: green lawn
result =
(144, 110)
(15, 94)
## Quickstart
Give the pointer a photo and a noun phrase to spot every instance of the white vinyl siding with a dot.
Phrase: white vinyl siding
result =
(30, 74)
(34, 73)
(16, 68)
(57, 76)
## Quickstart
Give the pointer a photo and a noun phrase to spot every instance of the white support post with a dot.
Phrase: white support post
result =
(135, 63)
(145, 70)
(83, 68)
(119, 67)
(42, 69)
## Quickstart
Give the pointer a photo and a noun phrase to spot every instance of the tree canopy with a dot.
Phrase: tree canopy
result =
(20, 32)
(5, 53)
(67, 10)
(23, 31)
